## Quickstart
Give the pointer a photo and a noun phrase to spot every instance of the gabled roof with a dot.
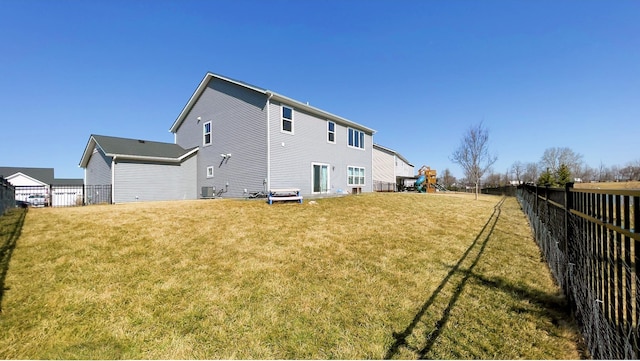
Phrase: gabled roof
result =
(44, 175)
(270, 94)
(389, 150)
(135, 149)
(68, 182)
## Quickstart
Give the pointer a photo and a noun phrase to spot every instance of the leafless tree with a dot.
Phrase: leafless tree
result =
(473, 154)
(615, 173)
(554, 157)
(601, 172)
(492, 180)
(631, 171)
(587, 174)
(518, 169)
(447, 178)
(531, 173)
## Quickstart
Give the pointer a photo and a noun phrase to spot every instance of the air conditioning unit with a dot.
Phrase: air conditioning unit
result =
(207, 192)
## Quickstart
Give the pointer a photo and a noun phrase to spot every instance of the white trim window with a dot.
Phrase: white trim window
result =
(287, 120)
(331, 132)
(355, 176)
(356, 138)
(210, 171)
(320, 178)
(206, 133)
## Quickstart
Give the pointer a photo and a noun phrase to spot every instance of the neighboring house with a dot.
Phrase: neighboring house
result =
(390, 168)
(232, 139)
(119, 170)
(59, 192)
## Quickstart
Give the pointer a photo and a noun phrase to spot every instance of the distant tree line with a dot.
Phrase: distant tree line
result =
(556, 167)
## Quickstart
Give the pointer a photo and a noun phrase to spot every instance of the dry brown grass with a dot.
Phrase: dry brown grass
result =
(609, 185)
(372, 276)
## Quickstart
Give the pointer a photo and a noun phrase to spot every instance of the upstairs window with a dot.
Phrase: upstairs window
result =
(331, 132)
(206, 133)
(356, 138)
(287, 119)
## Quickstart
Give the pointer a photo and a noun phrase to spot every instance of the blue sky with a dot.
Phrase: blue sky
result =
(539, 74)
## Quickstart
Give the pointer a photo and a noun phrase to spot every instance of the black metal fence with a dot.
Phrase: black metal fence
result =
(97, 194)
(7, 196)
(590, 239)
(63, 195)
(500, 191)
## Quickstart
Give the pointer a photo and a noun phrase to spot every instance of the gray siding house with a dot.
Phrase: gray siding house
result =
(138, 170)
(252, 139)
(232, 139)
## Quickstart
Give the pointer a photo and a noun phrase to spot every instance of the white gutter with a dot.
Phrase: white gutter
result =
(320, 112)
(269, 141)
(113, 180)
(149, 158)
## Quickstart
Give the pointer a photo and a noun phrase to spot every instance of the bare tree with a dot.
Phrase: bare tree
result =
(631, 171)
(587, 174)
(473, 154)
(447, 178)
(531, 173)
(554, 157)
(518, 169)
(602, 171)
(492, 180)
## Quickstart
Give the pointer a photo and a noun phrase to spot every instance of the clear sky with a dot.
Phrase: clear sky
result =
(539, 74)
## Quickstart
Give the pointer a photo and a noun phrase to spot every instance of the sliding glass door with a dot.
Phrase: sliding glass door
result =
(320, 178)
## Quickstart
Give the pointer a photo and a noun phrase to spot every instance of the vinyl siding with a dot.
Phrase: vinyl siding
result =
(292, 155)
(384, 166)
(98, 171)
(155, 182)
(403, 169)
(239, 127)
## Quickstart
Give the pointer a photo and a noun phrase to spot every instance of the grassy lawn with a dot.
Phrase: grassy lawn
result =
(375, 276)
(609, 185)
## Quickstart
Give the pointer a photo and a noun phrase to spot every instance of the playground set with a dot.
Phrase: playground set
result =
(426, 182)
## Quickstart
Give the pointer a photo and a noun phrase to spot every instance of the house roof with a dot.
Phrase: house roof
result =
(135, 149)
(270, 94)
(68, 182)
(44, 175)
(389, 150)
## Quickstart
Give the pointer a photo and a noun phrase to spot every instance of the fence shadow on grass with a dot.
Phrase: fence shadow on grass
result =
(401, 337)
(10, 228)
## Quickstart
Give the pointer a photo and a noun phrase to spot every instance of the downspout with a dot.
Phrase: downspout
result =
(269, 141)
(113, 180)
(370, 165)
(395, 172)
(84, 187)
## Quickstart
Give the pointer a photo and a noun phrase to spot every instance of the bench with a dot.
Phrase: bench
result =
(290, 194)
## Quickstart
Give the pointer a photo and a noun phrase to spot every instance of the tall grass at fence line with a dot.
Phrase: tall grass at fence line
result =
(591, 249)
(380, 275)
(7, 196)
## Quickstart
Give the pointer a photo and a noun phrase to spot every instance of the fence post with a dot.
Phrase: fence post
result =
(546, 203)
(568, 235)
(536, 199)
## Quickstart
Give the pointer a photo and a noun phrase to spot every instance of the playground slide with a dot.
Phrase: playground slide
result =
(420, 184)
